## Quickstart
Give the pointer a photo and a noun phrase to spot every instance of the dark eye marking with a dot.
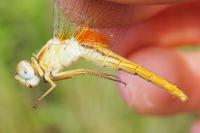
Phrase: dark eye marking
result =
(25, 72)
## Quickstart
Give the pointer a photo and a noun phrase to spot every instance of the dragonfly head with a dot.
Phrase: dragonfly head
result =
(26, 74)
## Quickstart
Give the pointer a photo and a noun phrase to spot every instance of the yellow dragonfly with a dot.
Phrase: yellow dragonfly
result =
(75, 37)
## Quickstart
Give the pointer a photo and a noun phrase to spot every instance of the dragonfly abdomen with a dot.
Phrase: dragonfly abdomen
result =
(100, 55)
(155, 79)
(109, 59)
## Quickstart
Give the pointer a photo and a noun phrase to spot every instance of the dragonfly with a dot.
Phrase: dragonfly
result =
(75, 37)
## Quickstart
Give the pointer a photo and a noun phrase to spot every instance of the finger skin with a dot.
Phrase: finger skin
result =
(97, 13)
(196, 127)
(154, 24)
(178, 25)
(177, 67)
(175, 26)
(146, 1)
(161, 26)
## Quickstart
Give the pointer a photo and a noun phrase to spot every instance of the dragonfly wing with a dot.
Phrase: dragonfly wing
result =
(62, 27)
(71, 15)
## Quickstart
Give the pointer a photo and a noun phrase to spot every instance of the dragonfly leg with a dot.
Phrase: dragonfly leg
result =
(39, 70)
(53, 85)
(77, 72)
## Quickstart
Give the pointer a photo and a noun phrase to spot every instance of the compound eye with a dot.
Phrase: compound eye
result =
(28, 74)
(25, 70)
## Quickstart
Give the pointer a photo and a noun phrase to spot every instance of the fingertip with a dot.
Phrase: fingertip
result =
(143, 96)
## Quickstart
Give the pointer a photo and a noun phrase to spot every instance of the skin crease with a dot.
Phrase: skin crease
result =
(150, 41)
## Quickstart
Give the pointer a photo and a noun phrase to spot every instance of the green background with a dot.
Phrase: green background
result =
(80, 105)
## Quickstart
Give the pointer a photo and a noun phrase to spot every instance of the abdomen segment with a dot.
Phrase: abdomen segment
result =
(110, 59)
(155, 79)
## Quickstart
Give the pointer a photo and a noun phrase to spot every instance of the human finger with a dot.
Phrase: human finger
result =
(180, 68)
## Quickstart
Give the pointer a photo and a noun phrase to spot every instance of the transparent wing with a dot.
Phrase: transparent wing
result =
(63, 28)
(71, 15)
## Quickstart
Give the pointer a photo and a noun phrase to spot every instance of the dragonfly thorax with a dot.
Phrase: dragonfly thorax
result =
(60, 54)
(54, 41)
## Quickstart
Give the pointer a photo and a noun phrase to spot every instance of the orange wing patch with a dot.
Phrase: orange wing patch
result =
(88, 36)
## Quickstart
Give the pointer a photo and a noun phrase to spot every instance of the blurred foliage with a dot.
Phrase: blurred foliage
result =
(75, 106)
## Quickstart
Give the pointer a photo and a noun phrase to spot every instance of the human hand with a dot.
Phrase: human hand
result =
(151, 42)
(161, 31)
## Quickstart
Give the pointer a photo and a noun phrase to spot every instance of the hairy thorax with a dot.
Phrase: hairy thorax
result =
(60, 55)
